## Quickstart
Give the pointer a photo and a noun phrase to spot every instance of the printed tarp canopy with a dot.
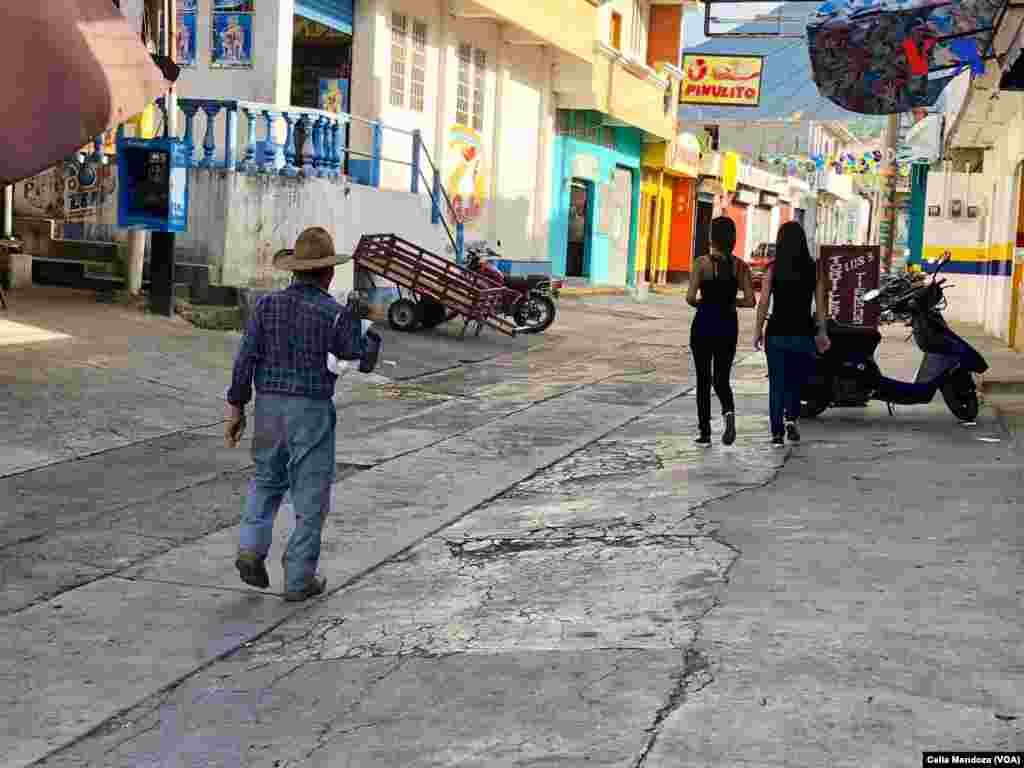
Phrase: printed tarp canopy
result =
(69, 70)
(883, 57)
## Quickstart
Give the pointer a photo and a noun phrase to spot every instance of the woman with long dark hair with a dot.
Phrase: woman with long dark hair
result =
(718, 278)
(792, 281)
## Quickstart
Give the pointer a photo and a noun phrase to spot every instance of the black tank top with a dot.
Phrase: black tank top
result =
(791, 306)
(719, 291)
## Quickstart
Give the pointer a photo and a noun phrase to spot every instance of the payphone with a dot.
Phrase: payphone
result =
(152, 184)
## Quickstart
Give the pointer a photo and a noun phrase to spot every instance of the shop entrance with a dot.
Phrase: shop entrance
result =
(702, 230)
(322, 68)
(621, 225)
(577, 254)
(653, 238)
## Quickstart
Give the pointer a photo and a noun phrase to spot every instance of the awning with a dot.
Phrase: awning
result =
(925, 139)
(69, 70)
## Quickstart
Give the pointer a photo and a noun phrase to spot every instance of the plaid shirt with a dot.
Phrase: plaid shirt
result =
(284, 350)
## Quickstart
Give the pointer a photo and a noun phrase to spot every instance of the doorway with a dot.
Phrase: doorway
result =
(653, 236)
(702, 230)
(577, 252)
(621, 226)
(321, 73)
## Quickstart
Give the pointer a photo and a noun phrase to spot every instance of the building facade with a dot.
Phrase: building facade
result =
(974, 204)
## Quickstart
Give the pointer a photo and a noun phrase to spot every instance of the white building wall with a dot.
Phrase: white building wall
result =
(268, 82)
(518, 117)
(974, 298)
(636, 17)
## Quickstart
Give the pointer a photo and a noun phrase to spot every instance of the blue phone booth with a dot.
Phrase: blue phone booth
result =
(152, 182)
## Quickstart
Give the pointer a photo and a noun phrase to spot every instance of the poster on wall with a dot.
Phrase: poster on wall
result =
(185, 34)
(232, 36)
(853, 270)
(333, 95)
(468, 182)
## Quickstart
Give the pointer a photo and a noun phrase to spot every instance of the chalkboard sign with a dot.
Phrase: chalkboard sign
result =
(152, 184)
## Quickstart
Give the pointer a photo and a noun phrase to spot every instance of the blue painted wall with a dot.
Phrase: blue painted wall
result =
(627, 152)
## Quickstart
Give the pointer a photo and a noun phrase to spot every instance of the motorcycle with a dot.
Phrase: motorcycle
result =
(847, 376)
(530, 302)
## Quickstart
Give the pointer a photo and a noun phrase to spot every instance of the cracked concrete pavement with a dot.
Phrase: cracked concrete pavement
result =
(531, 564)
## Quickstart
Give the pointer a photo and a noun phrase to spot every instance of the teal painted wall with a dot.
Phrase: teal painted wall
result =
(627, 152)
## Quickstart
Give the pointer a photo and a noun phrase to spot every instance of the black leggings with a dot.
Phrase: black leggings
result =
(713, 357)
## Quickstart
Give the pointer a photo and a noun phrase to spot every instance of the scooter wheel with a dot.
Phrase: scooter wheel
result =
(961, 397)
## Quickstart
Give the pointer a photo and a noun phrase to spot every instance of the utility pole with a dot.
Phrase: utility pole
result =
(161, 258)
(889, 176)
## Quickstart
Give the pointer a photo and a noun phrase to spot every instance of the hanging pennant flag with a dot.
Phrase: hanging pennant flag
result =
(966, 50)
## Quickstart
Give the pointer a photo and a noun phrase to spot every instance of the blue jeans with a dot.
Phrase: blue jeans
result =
(293, 448)
(790, 363)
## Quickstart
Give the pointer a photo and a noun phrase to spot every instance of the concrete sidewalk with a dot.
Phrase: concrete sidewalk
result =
(1002, 386)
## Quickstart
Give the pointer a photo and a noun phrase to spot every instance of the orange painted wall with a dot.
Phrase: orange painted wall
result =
(738, 213)
(680, 246)
(664, 35)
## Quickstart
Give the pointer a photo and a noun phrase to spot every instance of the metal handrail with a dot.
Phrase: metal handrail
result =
(444, 222)
(444, 192)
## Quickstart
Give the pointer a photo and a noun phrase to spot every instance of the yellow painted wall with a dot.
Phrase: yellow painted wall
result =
(650, 190)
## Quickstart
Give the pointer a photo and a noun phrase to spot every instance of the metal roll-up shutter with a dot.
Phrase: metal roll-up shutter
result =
(336, 14)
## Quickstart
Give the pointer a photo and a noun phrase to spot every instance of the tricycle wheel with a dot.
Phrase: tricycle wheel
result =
(535, 313)
(432, 313)
(403, 315)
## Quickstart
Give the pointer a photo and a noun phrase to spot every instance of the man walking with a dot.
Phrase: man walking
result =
(284, 352)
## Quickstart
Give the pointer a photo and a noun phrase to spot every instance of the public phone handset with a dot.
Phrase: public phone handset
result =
(153, 192)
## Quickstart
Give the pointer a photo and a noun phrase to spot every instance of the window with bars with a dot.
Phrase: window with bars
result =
(470, 98)
(585, 126)
(399, 36)
(638, 29)
(408, 62)
(418, 81)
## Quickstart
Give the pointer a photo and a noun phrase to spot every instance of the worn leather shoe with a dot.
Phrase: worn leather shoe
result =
(316, 586)
(252, 570)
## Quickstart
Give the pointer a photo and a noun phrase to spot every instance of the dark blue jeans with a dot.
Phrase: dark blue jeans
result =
(790, 363)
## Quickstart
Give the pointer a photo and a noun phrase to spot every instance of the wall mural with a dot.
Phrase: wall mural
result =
(71, 193)
(468, 183)
(232, 29)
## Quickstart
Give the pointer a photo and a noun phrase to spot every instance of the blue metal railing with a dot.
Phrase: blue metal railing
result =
(316, 145)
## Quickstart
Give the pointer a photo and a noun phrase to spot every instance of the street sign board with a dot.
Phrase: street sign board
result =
(722, 81)
(852, 270)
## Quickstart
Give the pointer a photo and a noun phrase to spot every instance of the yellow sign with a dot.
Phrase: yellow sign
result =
(730, 171)
(723, 81)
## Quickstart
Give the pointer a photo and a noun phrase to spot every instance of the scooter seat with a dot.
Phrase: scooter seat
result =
(842, 331)
(858, 340)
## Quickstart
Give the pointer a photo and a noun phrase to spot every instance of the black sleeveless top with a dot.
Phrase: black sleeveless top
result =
(719, 291)
(791, 306)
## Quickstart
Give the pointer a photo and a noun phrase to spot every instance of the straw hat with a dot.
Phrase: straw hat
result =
(313, 250)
